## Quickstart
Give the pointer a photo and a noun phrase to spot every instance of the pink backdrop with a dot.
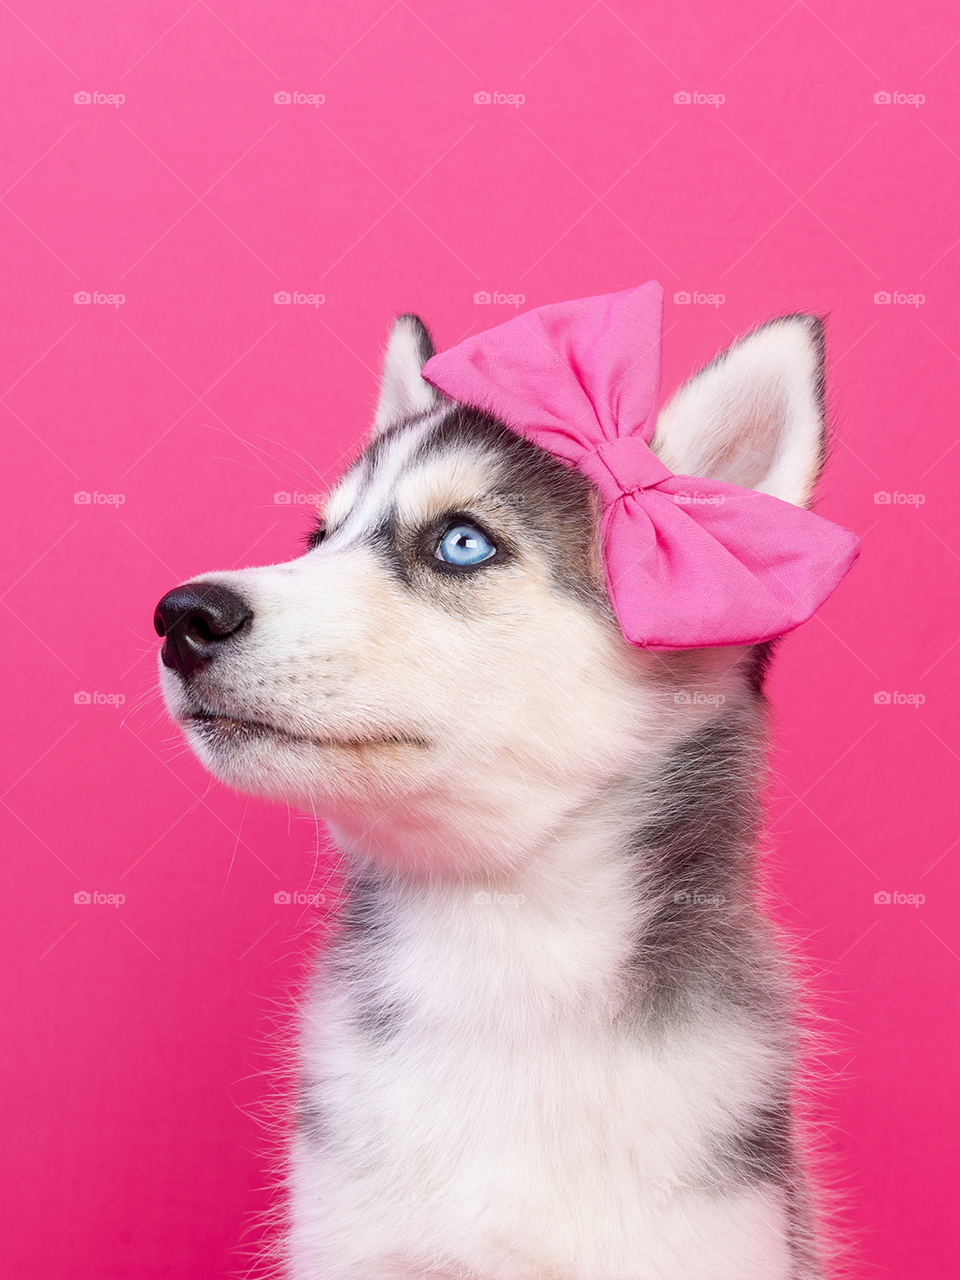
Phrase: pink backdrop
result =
(135, 1093)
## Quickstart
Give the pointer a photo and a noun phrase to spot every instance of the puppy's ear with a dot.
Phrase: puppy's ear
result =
(403, 393)
(754, 416)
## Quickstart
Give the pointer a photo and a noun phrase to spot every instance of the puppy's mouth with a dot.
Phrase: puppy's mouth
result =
(225, 730)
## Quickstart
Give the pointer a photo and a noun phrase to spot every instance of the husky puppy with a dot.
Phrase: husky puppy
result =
(554, 1036)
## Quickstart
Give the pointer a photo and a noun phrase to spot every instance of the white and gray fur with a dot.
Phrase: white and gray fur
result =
(589, 1076)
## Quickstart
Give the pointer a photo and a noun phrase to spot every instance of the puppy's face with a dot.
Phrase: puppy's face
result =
(440, 674)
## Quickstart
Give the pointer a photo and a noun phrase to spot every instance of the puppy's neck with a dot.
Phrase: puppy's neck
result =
(640, 885)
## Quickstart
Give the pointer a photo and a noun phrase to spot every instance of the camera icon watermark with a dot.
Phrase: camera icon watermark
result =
(500, 699)
(883, 498)
(896, 699)
(884, 98)
(688, 97)
(84, 699)
(694, 898)
(883, 898)
(496, 99)
(286, 898)
(699, 499)
(697, 698)
(91, 297)
(297, 499)
(492, 898)
(86, 98)
(887, 297)
(487, 297)
(292, 297)
(84, 898)
(288, 98)
(687, 297)
(84, 498)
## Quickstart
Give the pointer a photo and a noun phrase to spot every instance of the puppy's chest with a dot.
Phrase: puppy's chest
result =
(488, 1101)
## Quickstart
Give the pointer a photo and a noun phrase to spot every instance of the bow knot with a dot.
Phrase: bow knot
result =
(623, 466)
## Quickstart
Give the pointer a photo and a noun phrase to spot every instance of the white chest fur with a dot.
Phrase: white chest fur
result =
(488, 1101)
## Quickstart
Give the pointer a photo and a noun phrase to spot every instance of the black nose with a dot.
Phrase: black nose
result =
(195, 619)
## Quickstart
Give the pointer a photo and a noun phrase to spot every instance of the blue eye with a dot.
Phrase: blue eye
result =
(464, 546)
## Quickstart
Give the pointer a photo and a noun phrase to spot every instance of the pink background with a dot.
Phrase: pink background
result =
(135, 1095)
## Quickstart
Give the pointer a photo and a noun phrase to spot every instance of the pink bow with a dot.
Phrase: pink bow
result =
(689, 562)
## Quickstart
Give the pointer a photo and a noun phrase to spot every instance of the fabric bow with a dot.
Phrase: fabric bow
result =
(689, 562)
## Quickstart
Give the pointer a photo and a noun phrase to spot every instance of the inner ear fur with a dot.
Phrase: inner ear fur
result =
(755, 415)
(403, 392)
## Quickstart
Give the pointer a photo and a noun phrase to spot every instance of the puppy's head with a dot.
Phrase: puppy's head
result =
(441, 675)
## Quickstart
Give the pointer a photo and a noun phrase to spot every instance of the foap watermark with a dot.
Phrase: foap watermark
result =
(886, 98)
(83, 498)
(291, 298)
(94, 98)
(895, 699)
(694, 898)
(884, 898)
(699, 499)
(891, 298)
(690, 297)
(294, 98)
(500, 699)
(95, 699)
(694, 98)
(297, 499)
(896, 499)
(84, 898)
(485, 98)
(485, 297)
(698, 698)
(295, 898)
(493, 898)
(93, 298)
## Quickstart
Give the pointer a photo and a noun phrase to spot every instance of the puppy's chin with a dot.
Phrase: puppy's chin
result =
(317, 773)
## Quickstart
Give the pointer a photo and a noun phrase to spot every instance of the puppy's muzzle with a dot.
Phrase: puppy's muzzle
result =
(196, 620)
